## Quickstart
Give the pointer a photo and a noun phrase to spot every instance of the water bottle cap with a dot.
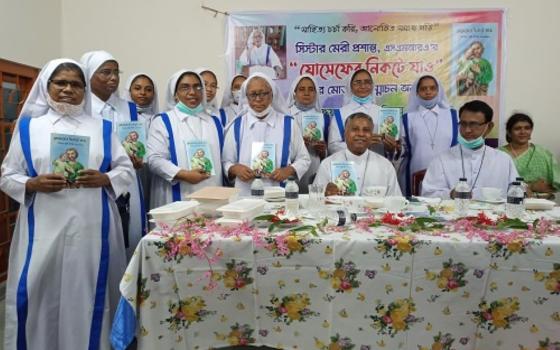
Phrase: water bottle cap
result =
(520, 179)
(291, 178)
(462, 179)
(258, 176)
(516, 183)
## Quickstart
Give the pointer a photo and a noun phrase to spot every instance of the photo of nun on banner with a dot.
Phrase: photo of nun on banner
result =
(261, 50)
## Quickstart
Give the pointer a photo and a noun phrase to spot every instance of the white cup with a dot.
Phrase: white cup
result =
(395, 204)
(491, 193)
(375, 191)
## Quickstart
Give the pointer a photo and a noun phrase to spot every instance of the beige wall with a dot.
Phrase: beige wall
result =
(159, 37)
(30, 30)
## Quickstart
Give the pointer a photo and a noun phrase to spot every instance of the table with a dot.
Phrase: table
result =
(359, 289)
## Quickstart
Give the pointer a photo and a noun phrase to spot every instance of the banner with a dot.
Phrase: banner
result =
(464, 49)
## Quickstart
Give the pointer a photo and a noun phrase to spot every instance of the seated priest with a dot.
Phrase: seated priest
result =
(481, 165)
(352, 170)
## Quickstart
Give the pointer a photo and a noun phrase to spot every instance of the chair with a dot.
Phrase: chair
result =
(417, 179)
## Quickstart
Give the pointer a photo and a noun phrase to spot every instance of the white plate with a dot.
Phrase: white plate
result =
(492, 201)
(538, 204)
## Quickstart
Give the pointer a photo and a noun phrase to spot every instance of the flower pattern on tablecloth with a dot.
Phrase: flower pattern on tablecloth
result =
(143, 292)
(441, 342)
(396, 246)
(237, 275)
(185, 312)
(551, 281)
(395, 317)
(505, 250)
(498, 314)
(292, 307)
(240, 335)
(344, 278)
(451, 277)
(337, 342)
(174, 248)
(288, 244)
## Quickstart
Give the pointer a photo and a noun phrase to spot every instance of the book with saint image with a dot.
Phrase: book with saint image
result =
(389, 121)
(343, 175)
(133, 137)
(312, 127)
(200, 156)
(69, 155)
(263, 157)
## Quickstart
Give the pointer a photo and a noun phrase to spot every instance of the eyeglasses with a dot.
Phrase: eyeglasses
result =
(185, 88)
(62, 84)
(107, 73)
(258, 95)
(471, 125)
(362, 82)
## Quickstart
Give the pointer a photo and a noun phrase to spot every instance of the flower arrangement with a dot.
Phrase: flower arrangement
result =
(240, 335)
(451, 277)
(237, 275)
(287, 244)
(397, 245)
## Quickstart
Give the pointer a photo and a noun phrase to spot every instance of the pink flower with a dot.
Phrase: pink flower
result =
(487, 316)
(387, 319)
(243, 341)
(452, 284)
(345, 285)
(283, 310)
(391, 241)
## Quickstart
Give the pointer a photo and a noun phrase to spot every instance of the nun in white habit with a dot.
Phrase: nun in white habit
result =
(67, 254)
(265, 126)
(429, 128)
(231, 106)
(305, 107)
(103, 75)
(358, 97)
(211, 89)
(175, 138)
(141, 89)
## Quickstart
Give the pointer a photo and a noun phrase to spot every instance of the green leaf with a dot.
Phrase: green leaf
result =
(266, 217)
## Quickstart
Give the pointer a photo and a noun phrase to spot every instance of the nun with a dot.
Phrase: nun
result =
(67, 255)
(104, 75)
(231, 107)
(176, 138)
(265, 126)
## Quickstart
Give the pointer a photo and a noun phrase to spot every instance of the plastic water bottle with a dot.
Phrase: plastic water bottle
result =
(292, 196)
(515, 208)
(463, 197)
(523, 186)
(257, 188)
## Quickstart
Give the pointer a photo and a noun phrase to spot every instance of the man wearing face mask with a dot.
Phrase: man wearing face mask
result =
(481, 165)
(429, 128)
(264, 124)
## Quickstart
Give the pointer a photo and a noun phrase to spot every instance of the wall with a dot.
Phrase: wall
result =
(164, 36)
(30, 30)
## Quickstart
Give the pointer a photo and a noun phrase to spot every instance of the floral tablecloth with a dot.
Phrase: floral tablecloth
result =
(356, 289)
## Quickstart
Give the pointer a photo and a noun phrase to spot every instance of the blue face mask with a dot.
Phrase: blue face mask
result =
(470, 144)
(362, 100)
(188, 110)
(428, 104)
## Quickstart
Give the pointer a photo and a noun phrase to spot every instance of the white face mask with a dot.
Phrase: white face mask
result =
(66, 109)
(262, 114)
(236, 96)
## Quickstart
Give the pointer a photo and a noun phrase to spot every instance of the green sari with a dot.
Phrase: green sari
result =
(536, 163)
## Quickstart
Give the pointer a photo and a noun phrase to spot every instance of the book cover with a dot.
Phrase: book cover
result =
(312, 127)
(69, 155)
(263, 158)
(343, 175)
(390, 121)
(200, 156)
(133, 138)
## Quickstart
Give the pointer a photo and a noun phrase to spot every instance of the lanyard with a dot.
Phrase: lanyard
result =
(479, 169)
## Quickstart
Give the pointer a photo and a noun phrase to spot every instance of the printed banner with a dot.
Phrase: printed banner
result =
(463, 49)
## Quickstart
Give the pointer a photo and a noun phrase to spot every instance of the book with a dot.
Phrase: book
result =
(312, 127)
(133, 138)
(343, 175)
(390, 121)
(263, 158)
(200, 156)
(69, 155)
